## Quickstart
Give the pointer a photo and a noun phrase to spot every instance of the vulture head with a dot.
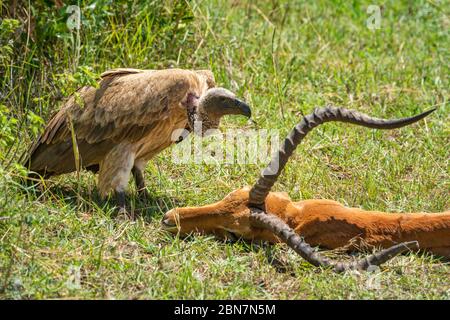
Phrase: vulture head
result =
(207, 110)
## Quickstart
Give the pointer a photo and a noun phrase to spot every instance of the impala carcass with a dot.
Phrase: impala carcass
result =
(257, 214)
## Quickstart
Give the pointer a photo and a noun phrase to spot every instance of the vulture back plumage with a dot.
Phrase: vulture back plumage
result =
(127, 105)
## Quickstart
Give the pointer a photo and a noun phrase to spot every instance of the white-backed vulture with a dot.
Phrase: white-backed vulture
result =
(126, 121)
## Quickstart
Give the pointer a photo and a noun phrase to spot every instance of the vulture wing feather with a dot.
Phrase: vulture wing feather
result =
(127, 104)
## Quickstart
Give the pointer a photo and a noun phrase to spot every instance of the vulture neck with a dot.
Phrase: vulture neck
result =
(199, 121)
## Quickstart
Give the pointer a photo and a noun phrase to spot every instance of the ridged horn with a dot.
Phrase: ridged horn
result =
(273, 223)
(269, 176)
(258, 193)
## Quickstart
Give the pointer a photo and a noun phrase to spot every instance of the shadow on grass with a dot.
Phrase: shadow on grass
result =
(271, 254)
(89, 200)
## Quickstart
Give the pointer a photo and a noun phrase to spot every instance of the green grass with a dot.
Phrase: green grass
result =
(284, 59)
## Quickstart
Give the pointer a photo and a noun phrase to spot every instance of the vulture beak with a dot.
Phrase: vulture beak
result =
(218, 102)
(240, 107)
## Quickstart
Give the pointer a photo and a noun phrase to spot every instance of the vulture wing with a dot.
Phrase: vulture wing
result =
(127, 104)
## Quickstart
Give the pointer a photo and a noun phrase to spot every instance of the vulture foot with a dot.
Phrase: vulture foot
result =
(140, 184)
(144, 196)
(121, 205)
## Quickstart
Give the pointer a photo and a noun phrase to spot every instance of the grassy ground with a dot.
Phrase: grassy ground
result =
(284, 59)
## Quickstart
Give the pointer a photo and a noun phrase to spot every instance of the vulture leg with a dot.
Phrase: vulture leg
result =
(138, 175)
(115, 171)
(121, 203)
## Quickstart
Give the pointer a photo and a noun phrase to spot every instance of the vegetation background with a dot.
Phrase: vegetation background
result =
(285, 58)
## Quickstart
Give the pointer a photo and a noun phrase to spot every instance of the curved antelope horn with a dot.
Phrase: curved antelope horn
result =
(260, 219)
(269, 176)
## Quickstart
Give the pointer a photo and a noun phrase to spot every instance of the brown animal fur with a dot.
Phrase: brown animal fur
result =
(132, 111)
(258, 214)
(323, 223)
(125, 122)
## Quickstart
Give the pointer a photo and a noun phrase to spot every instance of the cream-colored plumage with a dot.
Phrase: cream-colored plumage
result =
(121, 124)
